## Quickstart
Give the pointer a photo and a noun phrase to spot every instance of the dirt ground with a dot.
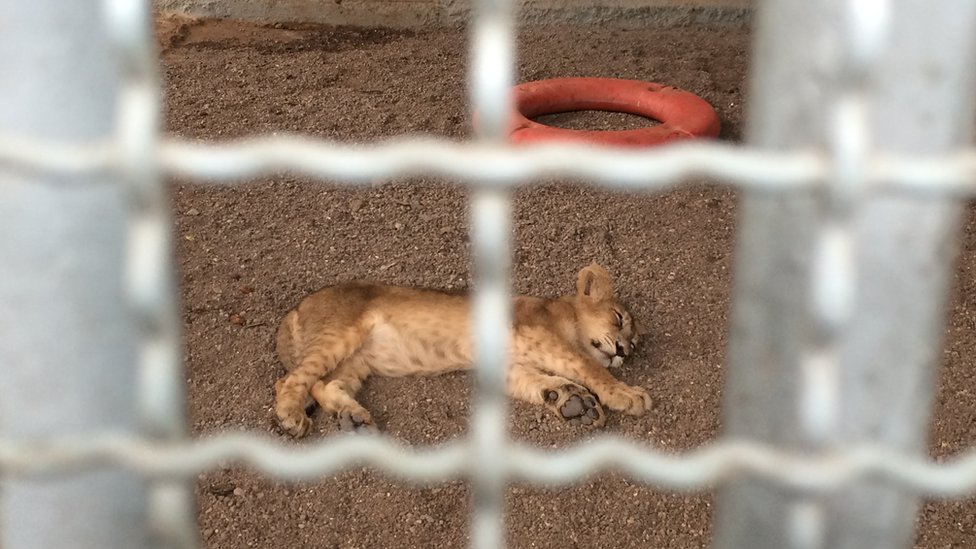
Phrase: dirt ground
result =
(248, 254)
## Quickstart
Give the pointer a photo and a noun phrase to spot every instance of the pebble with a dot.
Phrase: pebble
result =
(222, 488)
(239, 492)
(193, 211)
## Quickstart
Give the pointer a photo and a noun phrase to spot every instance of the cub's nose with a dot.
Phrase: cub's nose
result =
(620, 350)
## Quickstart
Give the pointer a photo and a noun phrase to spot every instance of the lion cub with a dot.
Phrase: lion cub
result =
(560, 352)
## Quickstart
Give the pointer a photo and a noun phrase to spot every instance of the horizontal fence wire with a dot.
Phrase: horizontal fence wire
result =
(695, 470)
(951, 175)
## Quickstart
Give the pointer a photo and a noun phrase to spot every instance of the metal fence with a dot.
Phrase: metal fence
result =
(845, 250)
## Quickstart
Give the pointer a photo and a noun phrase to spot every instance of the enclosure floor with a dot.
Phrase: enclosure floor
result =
(248, 254)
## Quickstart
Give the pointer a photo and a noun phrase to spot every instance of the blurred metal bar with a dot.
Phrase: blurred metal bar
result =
(490, 81)
(67, 341)
(918, 98)
(492, 312)
(149, 270)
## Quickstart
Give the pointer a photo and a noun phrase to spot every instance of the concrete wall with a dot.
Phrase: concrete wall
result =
(415, 13)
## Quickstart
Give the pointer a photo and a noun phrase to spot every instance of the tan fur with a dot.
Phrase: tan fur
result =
(561, 348)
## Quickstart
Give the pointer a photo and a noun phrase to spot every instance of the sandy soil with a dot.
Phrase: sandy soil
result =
(248, 254)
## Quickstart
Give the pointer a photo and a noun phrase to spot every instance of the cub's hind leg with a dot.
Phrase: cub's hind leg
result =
(572, 403)
(336, 393)
(320, 357)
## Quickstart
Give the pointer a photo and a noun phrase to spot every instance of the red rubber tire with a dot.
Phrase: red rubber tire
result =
(683, 115)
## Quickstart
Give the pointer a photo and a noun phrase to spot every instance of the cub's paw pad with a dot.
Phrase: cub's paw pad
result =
(358, 422)
(575, 405)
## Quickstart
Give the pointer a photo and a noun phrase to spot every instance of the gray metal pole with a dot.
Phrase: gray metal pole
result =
(920, 101)
(67, 342)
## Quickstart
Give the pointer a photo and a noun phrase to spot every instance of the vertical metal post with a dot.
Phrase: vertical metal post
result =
(492, 67)
(875, 385)
(67, 341)
(151, 294)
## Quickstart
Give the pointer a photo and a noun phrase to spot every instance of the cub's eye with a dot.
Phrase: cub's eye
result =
(619, 319)
(595, 343)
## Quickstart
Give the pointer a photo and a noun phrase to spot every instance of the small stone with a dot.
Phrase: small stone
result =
(245, 288)
(239, 492)
(237, 320)
(398, 225)
(193, 211)
(355, 204)
(222, 488)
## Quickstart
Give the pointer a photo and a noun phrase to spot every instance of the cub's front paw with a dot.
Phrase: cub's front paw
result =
(575, 405)
(630, 400)
(293, 421)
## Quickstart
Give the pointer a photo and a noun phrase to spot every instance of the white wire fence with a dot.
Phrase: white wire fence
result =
(137, 158)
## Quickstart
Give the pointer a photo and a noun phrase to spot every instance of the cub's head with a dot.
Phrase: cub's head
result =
(605, 329)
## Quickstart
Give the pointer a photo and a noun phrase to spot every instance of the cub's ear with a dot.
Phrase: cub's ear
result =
(594, 283)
